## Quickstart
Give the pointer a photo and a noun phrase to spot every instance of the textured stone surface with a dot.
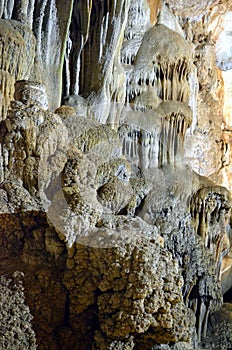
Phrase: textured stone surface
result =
(15, 318)
(221, 329)
(18, 50)
(197, 8)
(29, 245)
(123, 310)
(32, 137)
(117, 207)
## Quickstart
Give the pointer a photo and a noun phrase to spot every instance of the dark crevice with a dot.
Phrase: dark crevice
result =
(227, 297)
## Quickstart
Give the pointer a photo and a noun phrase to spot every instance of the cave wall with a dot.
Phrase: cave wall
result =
(115, 175)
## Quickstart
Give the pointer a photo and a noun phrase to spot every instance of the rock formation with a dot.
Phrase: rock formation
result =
(115, 175)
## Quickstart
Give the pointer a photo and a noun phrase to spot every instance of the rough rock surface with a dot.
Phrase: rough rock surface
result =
(16, 329)
(116, 208)
(125, 312)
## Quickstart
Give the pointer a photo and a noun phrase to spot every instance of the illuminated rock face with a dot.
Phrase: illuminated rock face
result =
(117, 206)
(17, 57)
(45, 22)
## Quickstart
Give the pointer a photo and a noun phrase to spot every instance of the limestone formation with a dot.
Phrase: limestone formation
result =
(123, 311)
(18, 50)
(31, 92)
(221, 328)
(164, 64)
(31, 138)
(115, 175)
(16, 331)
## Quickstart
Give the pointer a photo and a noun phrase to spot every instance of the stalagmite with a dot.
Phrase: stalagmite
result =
(26, 92)
(17, 47)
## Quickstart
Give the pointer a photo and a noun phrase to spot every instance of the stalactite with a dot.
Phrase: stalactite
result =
(66, 70)
(30, 11)
(160, 143)
(140, 137)
(194, 87)
(160, 64)
(94, 45)
(177, 118)
(50, 21)
(19, 10)
(9, 5)
(46, 23)
(103, 35)
(2, 3)
(202, 315)
(137, 25)
(209, 209)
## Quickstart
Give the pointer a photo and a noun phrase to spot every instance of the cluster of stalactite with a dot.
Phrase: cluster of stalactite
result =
(157, 140)
(210, 209)
(162, 65)
(136, 26)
